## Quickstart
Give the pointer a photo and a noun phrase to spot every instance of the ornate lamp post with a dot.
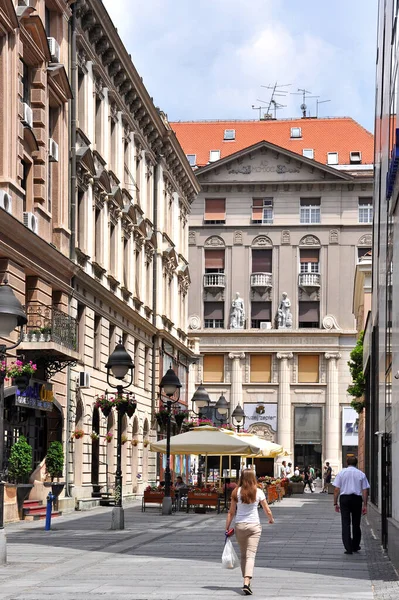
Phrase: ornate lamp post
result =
(170, 386)
(222, 407)
(200, 399)
(238, 417)
(12, 315)
(119, 364)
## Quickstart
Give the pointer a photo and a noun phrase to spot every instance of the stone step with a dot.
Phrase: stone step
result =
(40, 516)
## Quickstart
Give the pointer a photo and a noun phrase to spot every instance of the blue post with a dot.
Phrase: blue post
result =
(49, 507)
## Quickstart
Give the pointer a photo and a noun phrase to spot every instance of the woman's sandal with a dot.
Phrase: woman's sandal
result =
(247, 590)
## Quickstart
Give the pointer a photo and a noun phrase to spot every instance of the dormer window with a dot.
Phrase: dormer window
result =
(229, 134)
(332, 158)
(214, 155)
(192, 159)
(296, 132)
(355, 158)
(308, 153)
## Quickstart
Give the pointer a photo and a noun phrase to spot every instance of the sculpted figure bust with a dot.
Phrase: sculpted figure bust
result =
(237, 314)
(284, 315)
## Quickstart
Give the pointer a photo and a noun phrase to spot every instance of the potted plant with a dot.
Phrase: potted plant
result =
(54, 467)
(94, 435)
(45, 333)
(21, 373)
(123, 439)
(146, 443)
(162, 418)
(125, 404)
(296, 484)
(108, 436)
(105, 404)
(180, 416)
(77, 434)
(19, 469)
(135, 442)
(34, 335)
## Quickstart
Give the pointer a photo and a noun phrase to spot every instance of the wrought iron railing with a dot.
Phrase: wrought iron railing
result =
(262, 280)
(48, 324)
(214, 280)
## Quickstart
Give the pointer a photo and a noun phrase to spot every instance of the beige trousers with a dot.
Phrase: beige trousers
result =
(248, 536)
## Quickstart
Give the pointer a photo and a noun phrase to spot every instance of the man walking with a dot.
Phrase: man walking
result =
(351, 486)
(327, 478)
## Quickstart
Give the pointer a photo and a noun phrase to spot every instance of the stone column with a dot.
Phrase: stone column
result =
(332, 416)
(284, 429)
(236, 380)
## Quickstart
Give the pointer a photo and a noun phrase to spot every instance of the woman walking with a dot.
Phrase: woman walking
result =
(307, 478)
(244, 507)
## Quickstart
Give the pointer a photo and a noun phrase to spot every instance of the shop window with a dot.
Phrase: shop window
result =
(260, 368)
(308, 368)
(213, 368)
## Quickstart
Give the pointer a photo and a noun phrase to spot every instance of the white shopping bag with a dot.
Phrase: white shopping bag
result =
(229, 556)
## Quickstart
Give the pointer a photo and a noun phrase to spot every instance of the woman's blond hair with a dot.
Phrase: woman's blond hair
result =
(248, 487)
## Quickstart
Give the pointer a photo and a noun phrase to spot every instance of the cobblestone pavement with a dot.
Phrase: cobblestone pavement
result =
(178, 557)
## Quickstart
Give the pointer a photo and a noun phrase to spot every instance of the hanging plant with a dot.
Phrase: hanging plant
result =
(135, 442)
(146, 443)
(180, 416)
(108, 436)
(123, 439)
(77, 434)
(162, 418)
(94, 435)
(18, 368)
(104, 403)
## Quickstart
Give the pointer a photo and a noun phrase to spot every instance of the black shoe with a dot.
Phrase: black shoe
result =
(247, 590)
(357, 549)
(346, 552)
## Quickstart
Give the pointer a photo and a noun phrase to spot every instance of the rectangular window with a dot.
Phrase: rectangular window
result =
(112, 249)
(81, 100)
(213, 368)
(213, 315)
(137, 365)
(192, 159)
(214, 155)
(147, 367)
(27, 186)
(97, 237)
(366, 210)
(355, 158)
(26, 83)
(309, 210)
(97, 342)
(261, 315)
(261, 261)
(214, 261)
(262, 210)
(308, 153)
(98, 124)
(81, 314)
(332, 158)
(126, 262)
(296, 132)
(260, 368)
(215, 210)
(229, 134)
(112, 338)
(308, 368)
(362, 252)
(81, 221)
(309, 314)
(309, 260)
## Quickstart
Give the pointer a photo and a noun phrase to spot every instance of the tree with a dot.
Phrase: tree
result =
(358, 385)
(20, 461)
(55, 460)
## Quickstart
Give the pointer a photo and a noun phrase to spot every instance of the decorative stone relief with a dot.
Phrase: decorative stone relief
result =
(322, 369)
(247, 369)
(262, 430)
(334, 236)
(192, 238)
(274, 377)
(194, 322)
(215, 241)
(237, 313)
(236, 355)
(237, 240)
(284, 355)
(284, 315)
(366, 240)
(330, 322)
(262, 240)
(285, 237)
(309, 240)
(332, 355)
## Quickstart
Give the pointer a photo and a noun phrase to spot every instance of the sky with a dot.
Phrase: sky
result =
(209, 59)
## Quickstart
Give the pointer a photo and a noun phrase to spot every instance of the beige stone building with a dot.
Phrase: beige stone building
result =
(95, 192)
(271, 226)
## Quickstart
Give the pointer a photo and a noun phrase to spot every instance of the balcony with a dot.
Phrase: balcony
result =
(308, 281)
(50, 335)
(214, 280)
(262, 281)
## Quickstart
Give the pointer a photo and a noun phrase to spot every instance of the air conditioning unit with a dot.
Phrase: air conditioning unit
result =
(84, 379)
(6, 201)
(28, 115)
(30, 221)
(265, 325)
(54, 48)
(52, 150)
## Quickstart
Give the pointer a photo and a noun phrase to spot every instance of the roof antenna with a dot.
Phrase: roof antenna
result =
(305, 95)
(317, 105)
(272, 106)
(259, 108)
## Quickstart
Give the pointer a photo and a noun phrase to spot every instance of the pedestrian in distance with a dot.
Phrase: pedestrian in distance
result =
(352, 489)
(307, 479)
(283, 469)
(288, 471)
(244, 509)
(327, 478)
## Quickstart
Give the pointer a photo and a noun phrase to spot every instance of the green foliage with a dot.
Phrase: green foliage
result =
(296, 479)
(55, 460)
(20, 461)
(358, 405)
(357, 388)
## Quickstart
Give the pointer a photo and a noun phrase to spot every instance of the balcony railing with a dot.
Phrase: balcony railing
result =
(261, 280)
(48, 324)
(214, 280)
(309, 280)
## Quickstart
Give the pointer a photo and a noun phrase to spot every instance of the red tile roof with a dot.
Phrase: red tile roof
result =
(340, 134)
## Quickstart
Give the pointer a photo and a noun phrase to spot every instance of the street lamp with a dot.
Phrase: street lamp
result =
(169, 386)
(238, 416)
(200, 399)
(222, 407)
(12, 315)
(119, 364)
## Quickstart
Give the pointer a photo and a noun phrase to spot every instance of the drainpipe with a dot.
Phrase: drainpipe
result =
(72, 121)
(155, 288)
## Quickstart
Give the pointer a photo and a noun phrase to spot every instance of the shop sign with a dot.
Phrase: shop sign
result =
(261, 413)
(38, 395)
(350, 426)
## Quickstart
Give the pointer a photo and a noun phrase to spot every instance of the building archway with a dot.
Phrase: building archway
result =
(135, 453)
(146, 429)
(78, 443)
(110, 453)
(95, 450)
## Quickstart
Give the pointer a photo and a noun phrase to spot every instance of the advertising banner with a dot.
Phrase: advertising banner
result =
(350, 426)
(38, 394)
(261, 413)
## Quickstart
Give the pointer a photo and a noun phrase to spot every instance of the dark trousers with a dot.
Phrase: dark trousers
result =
(309, 483)
(351, 514)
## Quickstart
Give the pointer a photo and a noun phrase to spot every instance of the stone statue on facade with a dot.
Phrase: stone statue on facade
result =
(284, 315)
(237, 313)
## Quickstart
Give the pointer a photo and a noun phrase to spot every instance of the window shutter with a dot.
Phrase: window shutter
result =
(213, 310)
(261, 311)
(309, 255)
(310, 201)
(257, 209)
(215, 209)
(308, 368)
(261, 261)
(260, 367)
(308, 312)
(365, 201)
(214, 259)
(213, 368)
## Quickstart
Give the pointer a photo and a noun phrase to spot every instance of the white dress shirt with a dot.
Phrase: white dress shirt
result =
(351, 481)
